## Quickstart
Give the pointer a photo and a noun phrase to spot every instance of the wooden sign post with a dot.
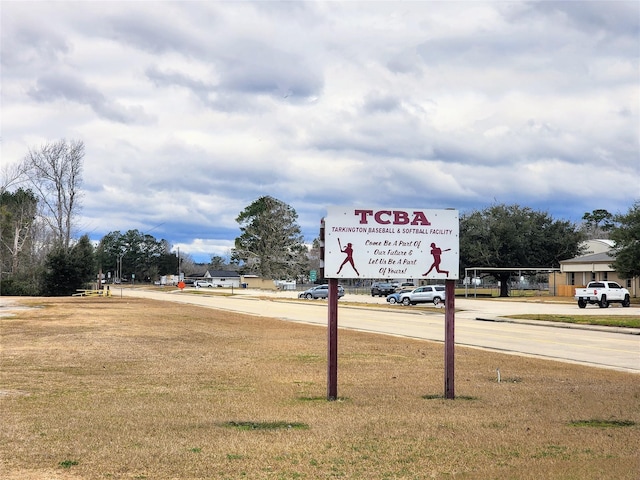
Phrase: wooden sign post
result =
(449, 339)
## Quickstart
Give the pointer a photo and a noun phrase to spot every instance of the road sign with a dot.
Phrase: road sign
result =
(391, 243)
(313, 275)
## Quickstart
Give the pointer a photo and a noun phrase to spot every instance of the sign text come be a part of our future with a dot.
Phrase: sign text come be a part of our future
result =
(393, 243)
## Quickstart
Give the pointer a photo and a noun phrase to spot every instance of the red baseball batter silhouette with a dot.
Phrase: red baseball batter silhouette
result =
(349, 251)
(436, 252)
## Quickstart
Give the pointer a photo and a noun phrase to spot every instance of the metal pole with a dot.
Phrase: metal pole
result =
(466, 283)
(332, 357)
(449, 339)
(475, 285)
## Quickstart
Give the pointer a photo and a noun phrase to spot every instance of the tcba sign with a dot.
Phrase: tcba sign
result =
(391, 243)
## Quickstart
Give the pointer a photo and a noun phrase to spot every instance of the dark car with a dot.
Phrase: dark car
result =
(320, 291)
(382, 289)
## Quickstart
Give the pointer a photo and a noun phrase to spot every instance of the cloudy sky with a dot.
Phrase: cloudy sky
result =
(190, 111)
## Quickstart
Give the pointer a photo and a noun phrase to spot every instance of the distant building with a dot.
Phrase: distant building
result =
(594, 265)
(220, 278)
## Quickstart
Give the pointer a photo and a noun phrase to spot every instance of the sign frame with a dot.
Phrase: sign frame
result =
(391, 243)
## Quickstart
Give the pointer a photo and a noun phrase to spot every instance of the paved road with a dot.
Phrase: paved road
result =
(478, 323)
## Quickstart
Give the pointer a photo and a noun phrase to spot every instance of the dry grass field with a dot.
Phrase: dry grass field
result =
(112, 388)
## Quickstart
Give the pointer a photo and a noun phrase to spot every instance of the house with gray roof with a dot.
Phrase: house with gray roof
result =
(220, 278)
(594, 266)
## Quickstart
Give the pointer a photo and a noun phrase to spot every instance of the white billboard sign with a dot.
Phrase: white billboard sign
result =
(391, 243)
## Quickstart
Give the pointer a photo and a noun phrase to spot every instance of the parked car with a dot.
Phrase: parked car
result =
(602, 294)
(202, 283)
(382, 289)
(320, 291)
(427, 294)
(395, 297)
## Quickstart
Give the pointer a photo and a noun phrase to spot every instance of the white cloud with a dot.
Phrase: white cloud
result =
(190, 111)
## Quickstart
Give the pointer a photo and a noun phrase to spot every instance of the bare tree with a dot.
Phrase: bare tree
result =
(11, 174)
(55, 171)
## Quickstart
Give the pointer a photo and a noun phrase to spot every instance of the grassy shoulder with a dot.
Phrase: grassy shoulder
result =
(601, 320)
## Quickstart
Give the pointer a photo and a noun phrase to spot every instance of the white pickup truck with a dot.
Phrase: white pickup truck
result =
(602, 293)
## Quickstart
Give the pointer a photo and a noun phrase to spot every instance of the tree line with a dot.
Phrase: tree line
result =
(40, 199)
(500, 236)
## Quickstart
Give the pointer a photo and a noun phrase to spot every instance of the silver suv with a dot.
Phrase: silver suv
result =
(427, 294)
(320, 291)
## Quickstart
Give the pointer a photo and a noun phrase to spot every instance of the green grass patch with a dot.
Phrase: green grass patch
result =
(442, 397)
(68, 463)
(552, 451)
(602, 423)
(248, 425)
(630, 321)
(234, 456)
